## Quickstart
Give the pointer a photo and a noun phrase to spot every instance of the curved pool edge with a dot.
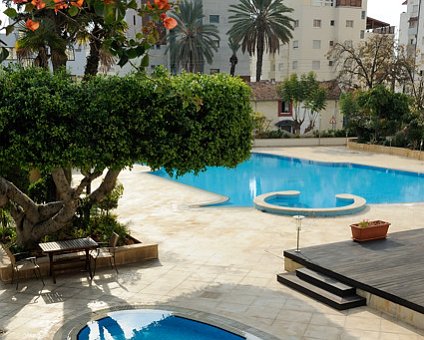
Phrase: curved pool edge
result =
(71, 328)
(359, 203)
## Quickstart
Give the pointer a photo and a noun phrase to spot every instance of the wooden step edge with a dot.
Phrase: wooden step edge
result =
(319, 294)
(325, 282)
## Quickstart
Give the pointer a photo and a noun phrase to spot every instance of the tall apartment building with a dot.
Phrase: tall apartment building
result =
(318, 25)
(411, 29)
(215, 12)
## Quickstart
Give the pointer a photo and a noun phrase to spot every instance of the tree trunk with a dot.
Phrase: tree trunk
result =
(233, 61)
(42, 58)
(93, 59)
(260, 55)
(34, 221)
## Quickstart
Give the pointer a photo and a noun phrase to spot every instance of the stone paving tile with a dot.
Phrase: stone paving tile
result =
(362, 323)
(323, 332)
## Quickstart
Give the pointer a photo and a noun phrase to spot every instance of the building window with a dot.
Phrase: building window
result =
(295, 43)
(331, 43)
(362, 34)
(316, 44)
(284, 108)
(214, 19)
(317, 23)
(332, 22)
(296, 23)
(349, 23)
(214, 71)
(363, 15)
(330, 63)
(134, 20)
(415, 9)
(294, 65)
(280, 67)
(316, 64)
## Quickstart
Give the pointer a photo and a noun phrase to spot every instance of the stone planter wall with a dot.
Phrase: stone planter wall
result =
(403, 152)
(133, 253)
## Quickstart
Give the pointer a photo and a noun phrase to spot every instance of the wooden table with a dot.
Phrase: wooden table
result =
(69, 246)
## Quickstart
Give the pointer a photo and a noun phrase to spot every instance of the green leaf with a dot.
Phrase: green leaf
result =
(9, 29)
(4, 53)
(99, 8)
(29, 7)
(145, 61)
(132, 4)
(123, 60)
(109, 14)
(73, 11)
(11, 13)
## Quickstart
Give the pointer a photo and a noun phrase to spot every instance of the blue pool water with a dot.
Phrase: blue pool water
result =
(145, 324)
(317, 182)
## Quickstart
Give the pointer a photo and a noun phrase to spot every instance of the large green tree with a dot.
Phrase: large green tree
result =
(49, 123)
(306, 96)
(192, 42)
(260, 26)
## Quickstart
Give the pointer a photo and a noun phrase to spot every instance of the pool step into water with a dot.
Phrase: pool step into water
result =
(322, 288)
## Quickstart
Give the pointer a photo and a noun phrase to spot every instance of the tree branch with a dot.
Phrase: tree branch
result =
(106, 187)
(15, 195)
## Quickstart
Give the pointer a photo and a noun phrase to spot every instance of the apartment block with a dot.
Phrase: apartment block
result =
(411, 30)
(318, 25)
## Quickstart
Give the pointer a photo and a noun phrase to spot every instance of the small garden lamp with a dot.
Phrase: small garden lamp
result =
(298, 219)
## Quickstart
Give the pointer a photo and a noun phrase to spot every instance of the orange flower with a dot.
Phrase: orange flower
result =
(38, 3)
(59, 4)
(77, 3)
(169, 23)
(162, 4)
(32, 25)
(149, 5)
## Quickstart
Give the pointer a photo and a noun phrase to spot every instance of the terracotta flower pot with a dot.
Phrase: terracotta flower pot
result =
(371, 230)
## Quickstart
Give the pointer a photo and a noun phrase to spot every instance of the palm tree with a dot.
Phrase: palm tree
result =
(192, 42)
(233, 59)
(260, 26)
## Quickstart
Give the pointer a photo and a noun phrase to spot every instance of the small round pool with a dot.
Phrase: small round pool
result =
(152, 324)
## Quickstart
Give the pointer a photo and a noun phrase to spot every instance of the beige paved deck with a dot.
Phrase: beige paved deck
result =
(216, 260)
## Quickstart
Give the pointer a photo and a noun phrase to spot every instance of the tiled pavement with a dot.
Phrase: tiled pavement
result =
(220, 261)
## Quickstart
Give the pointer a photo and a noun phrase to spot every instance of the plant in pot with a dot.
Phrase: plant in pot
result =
(369, 230)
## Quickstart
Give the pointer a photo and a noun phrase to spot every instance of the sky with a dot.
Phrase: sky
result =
(386, 10)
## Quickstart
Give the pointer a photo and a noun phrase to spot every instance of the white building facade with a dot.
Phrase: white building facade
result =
(318, 25)
(411, 30)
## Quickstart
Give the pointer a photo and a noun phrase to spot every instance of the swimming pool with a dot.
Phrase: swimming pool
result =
(318, 182)
(147, 324)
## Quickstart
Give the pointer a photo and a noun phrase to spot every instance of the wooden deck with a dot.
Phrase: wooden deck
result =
(392, 268)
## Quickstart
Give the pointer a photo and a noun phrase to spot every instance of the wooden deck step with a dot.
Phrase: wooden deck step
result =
(322, 295)
(325, 282)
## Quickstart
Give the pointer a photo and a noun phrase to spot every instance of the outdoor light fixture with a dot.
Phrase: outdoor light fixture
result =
(298, 219)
